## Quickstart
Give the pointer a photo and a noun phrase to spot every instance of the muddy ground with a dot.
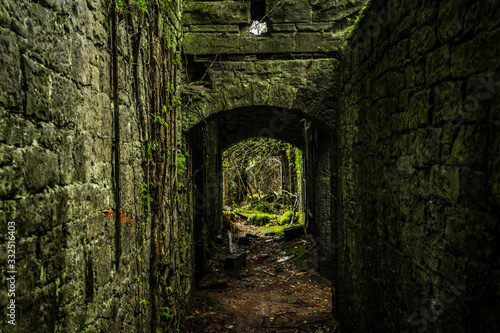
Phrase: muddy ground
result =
(273, 293)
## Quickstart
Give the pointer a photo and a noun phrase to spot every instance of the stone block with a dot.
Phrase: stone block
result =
(235, 262)
(316, 27)
(284, 27)
(42, 169)
(420, 107)
(80, 58)
(309, 42)
(276, 43)
(210, 43)
(428, 14)
(214, 28)
(10, 70)
(396, 82)
(450, 19)
(403, 29)
(294, 232)
(444, 181)
(216, 12)
(289, 11)
(447, 101)
(437, 66)
(478, 55)
(337, 12)
(422, 40)
(469, 147)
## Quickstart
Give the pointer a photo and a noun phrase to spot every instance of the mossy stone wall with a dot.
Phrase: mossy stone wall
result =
(417, 146)
(280, 84)
(57, 167)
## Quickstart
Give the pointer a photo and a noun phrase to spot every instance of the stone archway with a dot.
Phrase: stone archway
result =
(208, 139)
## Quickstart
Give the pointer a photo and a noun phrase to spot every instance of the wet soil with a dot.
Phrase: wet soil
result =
(270, 294)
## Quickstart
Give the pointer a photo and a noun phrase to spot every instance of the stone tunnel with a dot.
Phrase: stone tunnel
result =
(114, 116)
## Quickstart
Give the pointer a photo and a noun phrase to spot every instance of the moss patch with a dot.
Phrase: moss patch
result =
(262, 218)
(302, 254)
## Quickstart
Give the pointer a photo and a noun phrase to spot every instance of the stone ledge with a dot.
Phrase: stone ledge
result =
(212, 43)
(214, 28)
(222, 12)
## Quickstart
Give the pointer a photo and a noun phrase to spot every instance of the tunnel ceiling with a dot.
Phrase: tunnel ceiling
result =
(261, 121)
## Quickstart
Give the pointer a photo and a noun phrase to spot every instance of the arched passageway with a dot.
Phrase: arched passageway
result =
(209, 138)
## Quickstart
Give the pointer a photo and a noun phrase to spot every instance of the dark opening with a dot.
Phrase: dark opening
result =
(196, 69)
(89, 281)
(258, 9)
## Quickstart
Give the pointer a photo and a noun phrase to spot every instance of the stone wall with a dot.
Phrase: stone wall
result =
(280, 84)
(78, 270)
(213, 27)
(417, 144)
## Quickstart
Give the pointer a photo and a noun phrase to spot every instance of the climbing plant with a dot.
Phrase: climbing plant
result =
(150, 28)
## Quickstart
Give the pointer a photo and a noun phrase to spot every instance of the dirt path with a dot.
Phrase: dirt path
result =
(269, 295)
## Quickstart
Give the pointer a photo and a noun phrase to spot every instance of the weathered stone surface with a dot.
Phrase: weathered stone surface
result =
(408, 187)
(216, 12)
(56, 169)
(205, 33)
(277, 83)
(420, 184)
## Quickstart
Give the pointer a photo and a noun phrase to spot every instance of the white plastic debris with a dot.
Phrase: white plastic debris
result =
(285, 258)
(258, 28)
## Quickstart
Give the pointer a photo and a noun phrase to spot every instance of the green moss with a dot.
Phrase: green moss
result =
(262, 218)
(301, 255)
(232, 215)
(278, 230)
(286, 218)
(359, 18)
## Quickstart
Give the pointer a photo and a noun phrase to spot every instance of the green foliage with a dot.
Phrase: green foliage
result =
(298, 161)
(144, 302)
(263, 206)
(120, 4)
(145, 194)
(322, 48)
(146, 198)
(142, 5)
(299, 220)
(159, 118)
(336, 49)
(165, 311)
(181, 162)
(170, 42)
